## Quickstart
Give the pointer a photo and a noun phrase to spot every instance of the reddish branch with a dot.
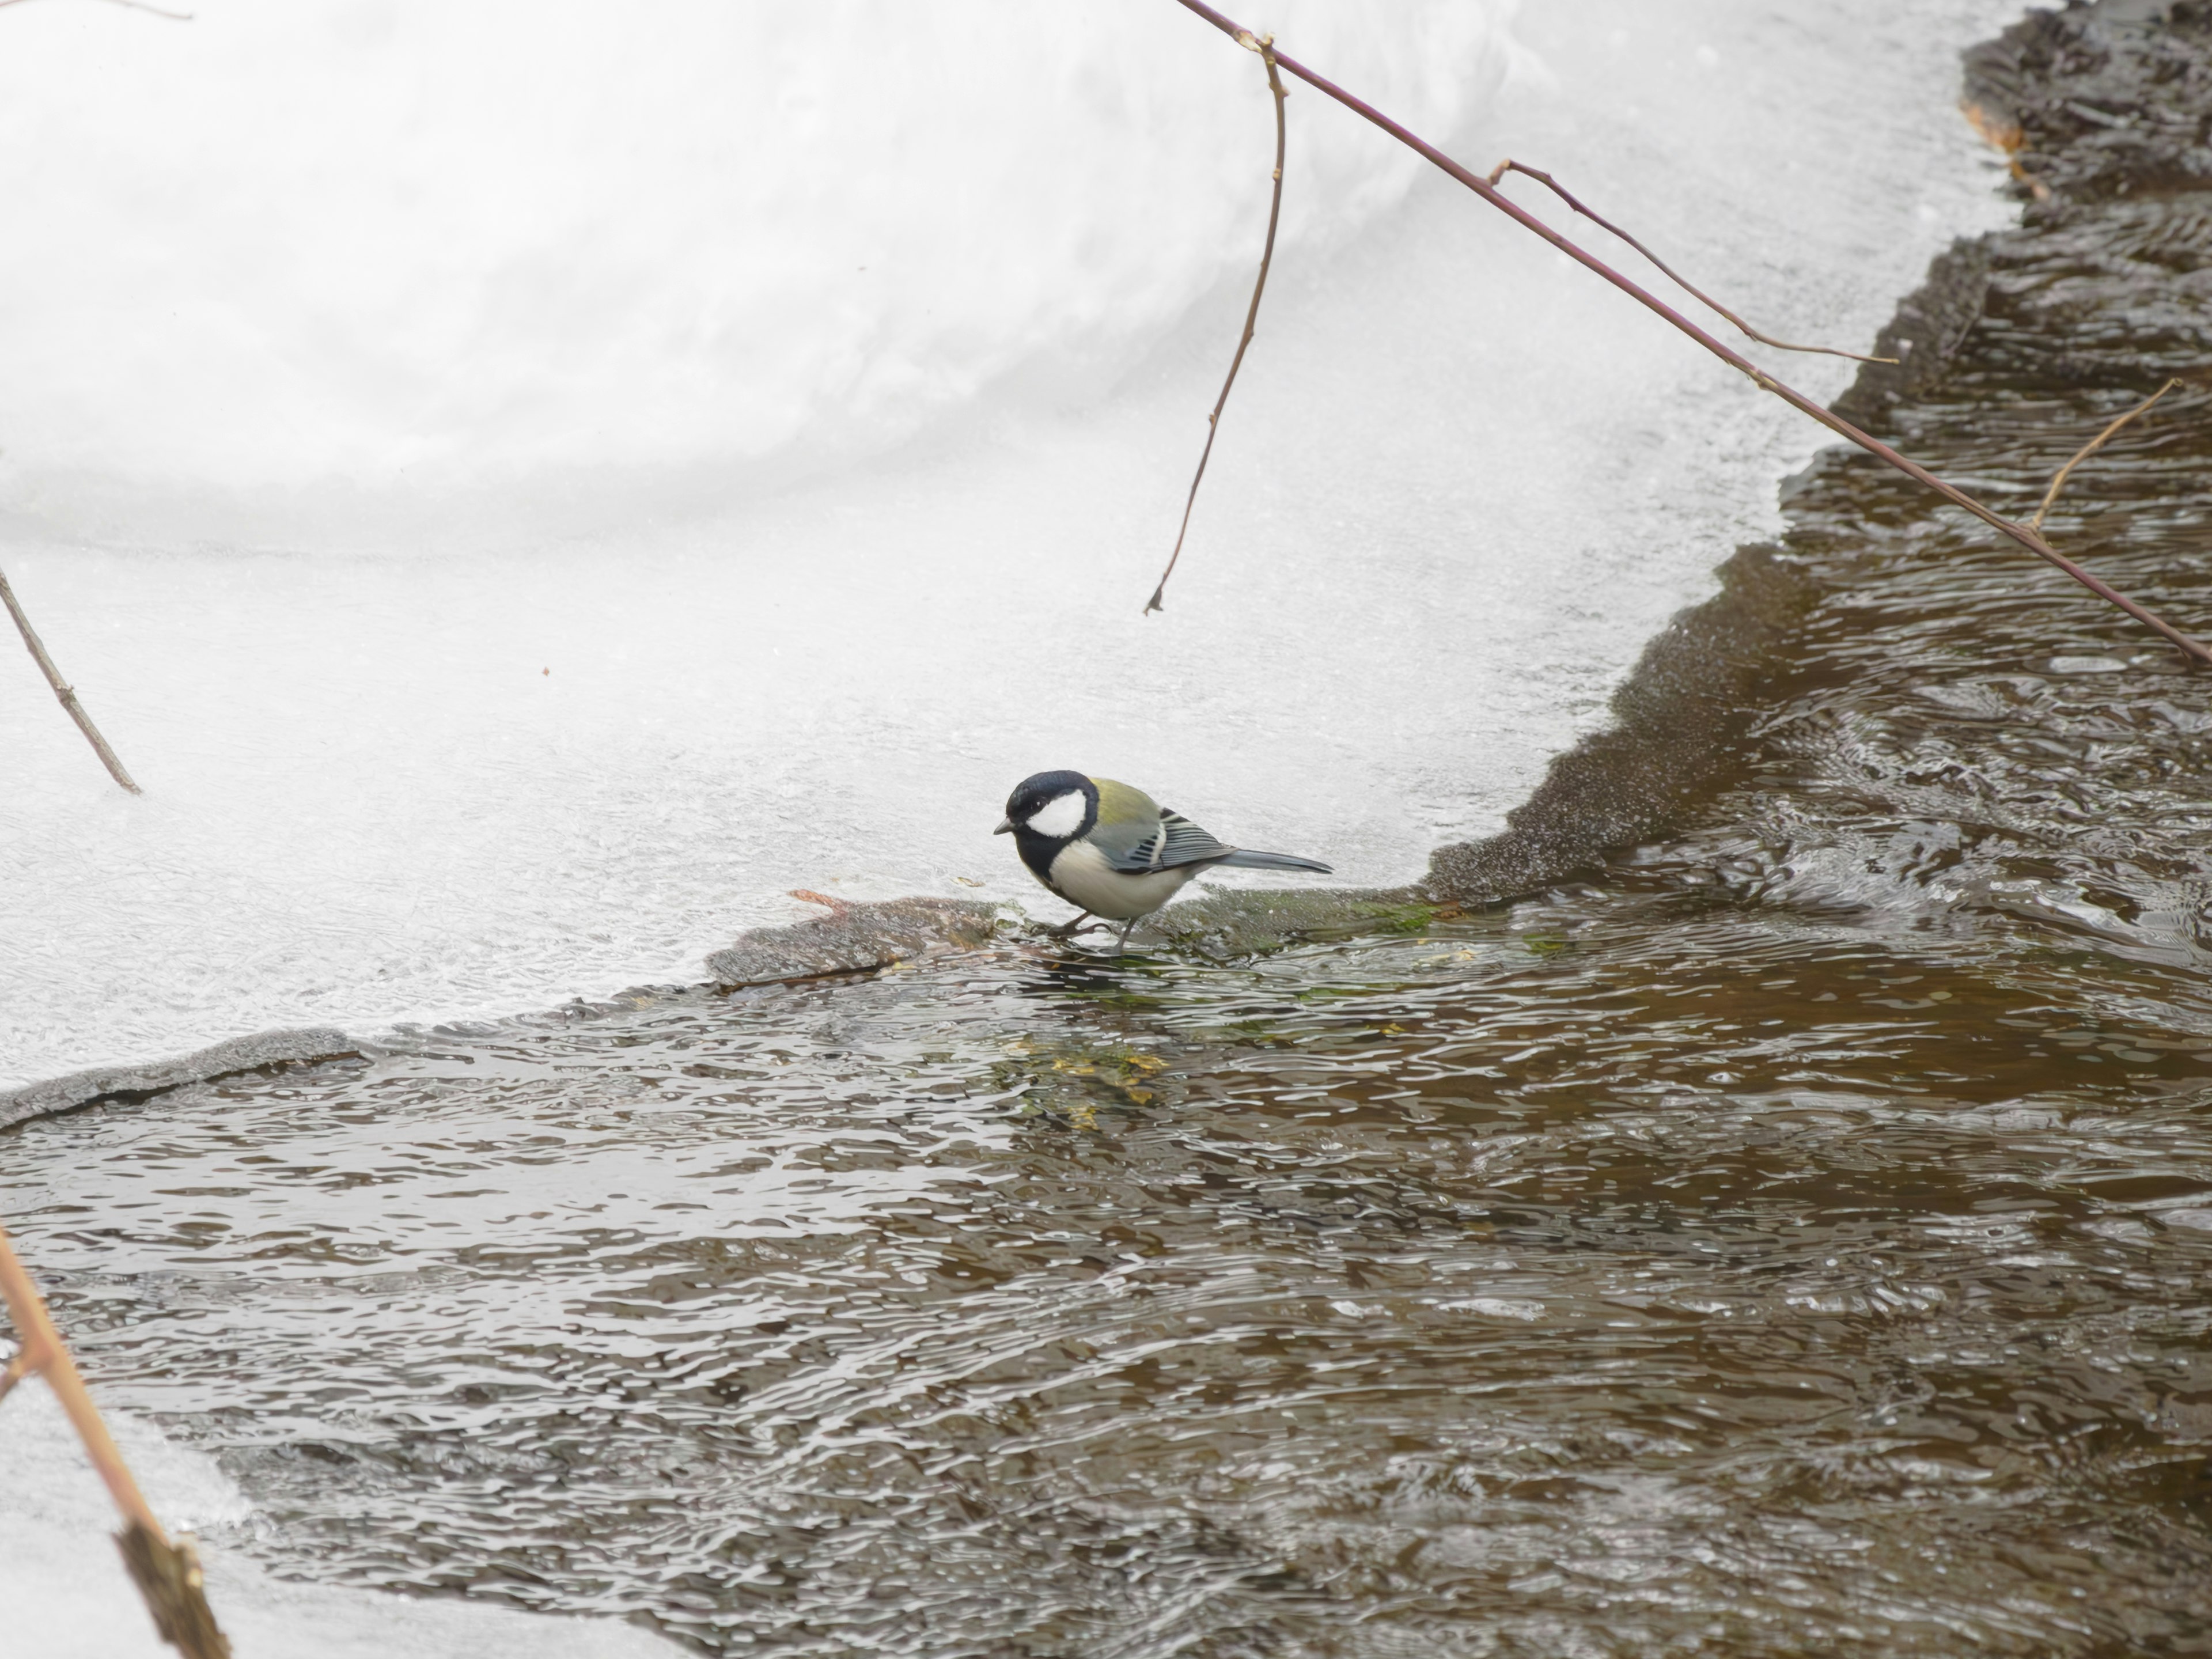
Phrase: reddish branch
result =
(1672, 275)
(2026, 537)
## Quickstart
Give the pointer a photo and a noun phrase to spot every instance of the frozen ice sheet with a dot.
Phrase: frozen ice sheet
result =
(483, 765)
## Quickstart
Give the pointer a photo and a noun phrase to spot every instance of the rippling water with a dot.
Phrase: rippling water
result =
(1792, 1235)
(1655, 1265)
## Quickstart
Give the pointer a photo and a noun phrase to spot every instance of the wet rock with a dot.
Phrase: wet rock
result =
(1675, 724)
(1930, 324)
(2099, 102)
(852, 938)
(1231, 924)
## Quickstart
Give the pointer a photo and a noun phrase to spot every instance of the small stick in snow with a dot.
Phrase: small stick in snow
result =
(62, 689)
(167, 1575)
(2090, 448)
(1672, 275)
(1265, 45)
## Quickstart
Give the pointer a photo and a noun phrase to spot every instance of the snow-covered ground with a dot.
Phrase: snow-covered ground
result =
(522, 489)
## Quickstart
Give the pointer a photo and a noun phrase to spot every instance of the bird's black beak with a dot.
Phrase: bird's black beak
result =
(1005, 827)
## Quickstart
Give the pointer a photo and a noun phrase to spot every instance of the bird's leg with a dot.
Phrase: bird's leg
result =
(1126, 928)
(1069, 929)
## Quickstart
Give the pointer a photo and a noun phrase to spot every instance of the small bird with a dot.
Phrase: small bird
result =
(1113, 851)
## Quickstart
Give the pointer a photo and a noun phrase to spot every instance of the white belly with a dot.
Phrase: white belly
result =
(1081, 876)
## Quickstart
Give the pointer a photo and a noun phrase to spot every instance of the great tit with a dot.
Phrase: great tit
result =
(1113, 851)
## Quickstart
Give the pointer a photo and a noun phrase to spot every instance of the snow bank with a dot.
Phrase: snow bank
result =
(297, 267)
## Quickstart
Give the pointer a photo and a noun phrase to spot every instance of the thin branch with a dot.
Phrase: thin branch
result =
(31, 641)
(1265, 45)
(1672, 275)
(131, 5)
(2090, 448)
(167, 1575)
(62, 689)
(43, 1353)
(2030, 539)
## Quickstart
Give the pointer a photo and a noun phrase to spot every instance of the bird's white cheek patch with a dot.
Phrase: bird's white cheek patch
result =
(1061, 816)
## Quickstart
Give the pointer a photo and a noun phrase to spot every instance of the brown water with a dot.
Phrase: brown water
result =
(1791, 1236)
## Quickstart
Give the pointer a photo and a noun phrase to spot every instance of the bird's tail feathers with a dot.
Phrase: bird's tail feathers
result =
(1243, 858)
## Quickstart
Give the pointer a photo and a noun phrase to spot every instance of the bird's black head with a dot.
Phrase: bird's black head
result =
(1054, 807)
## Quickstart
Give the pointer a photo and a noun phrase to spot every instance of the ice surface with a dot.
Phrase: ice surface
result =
(67, 1597)
(459, 457)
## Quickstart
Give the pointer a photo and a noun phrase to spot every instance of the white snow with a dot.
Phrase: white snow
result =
(460, 460)
(464, 268)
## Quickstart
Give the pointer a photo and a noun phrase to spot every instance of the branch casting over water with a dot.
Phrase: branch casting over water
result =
(2026, 537)
(2050, 496)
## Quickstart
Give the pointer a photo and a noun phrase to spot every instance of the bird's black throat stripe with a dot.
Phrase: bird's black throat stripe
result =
(1037, 852)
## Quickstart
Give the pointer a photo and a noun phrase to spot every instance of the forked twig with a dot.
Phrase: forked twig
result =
(1265, 45)
(2028, 538)
(2090, 448)
(1672, 275)
(63, 691)
(167, 1575)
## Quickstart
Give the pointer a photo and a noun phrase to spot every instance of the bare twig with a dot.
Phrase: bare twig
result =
(131, 5)
(1672, 275)
(38, 650)
(1265, 45)
(62, 689)
(167, 1575)
(2090, 448)
(2030, 539)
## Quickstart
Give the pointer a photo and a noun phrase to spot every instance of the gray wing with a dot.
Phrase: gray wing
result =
(1173, 842)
